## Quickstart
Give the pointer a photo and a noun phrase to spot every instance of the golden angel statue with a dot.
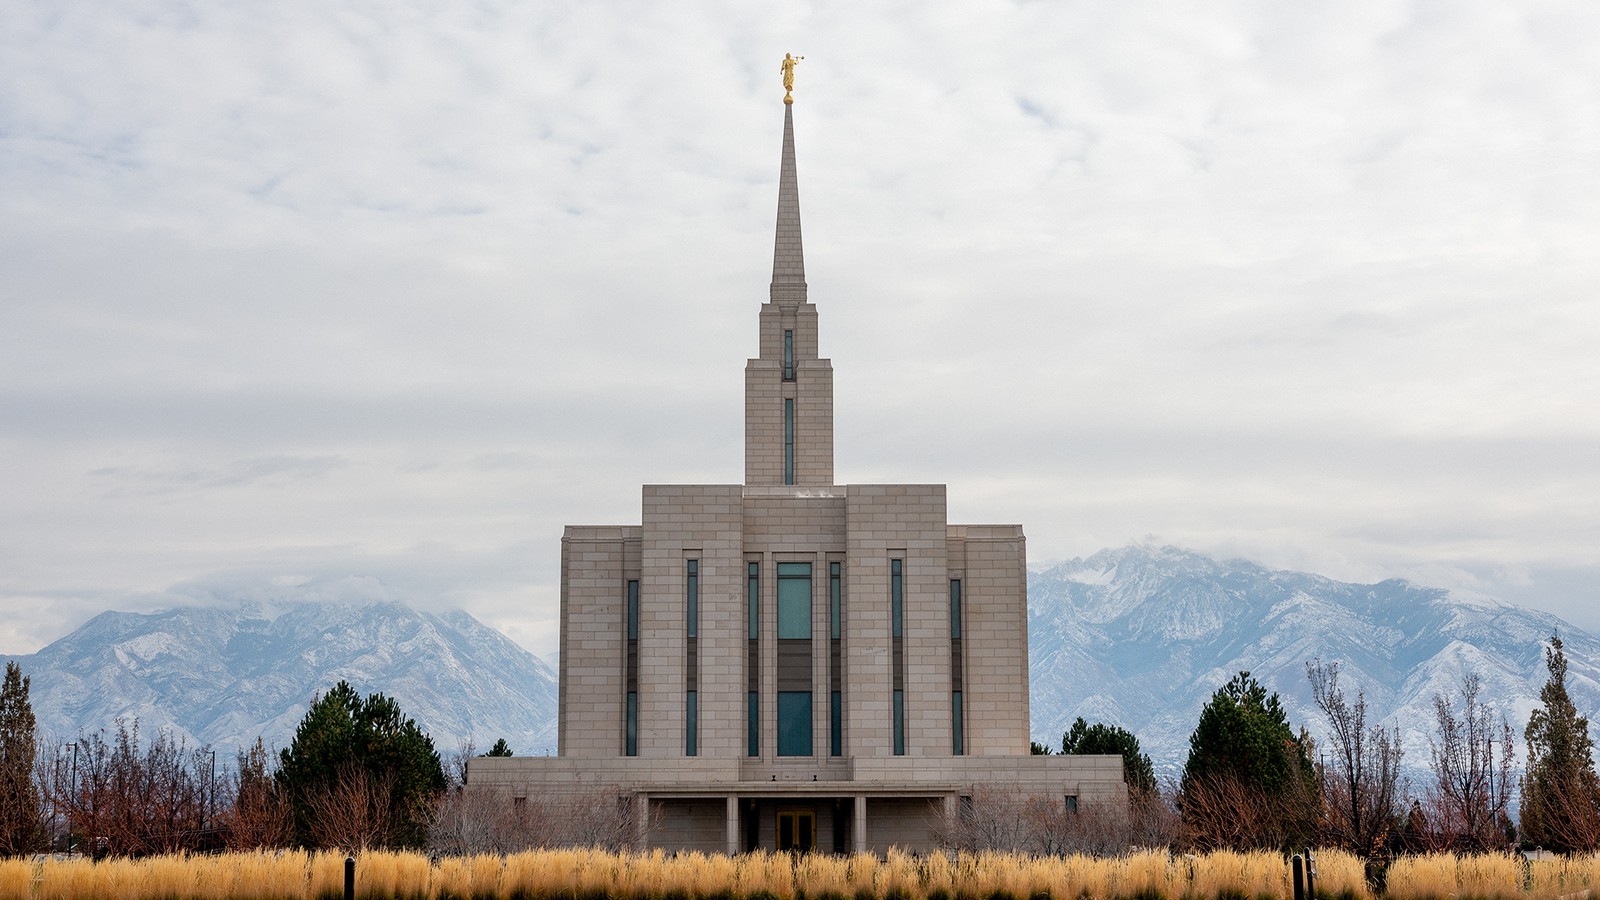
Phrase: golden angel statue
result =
(789, 62)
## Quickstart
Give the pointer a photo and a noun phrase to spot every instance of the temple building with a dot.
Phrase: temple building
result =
(791, 663)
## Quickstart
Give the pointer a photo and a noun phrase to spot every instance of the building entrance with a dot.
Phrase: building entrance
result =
(797, 830)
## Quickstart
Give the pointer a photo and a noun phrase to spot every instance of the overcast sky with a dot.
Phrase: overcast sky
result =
(352, 300)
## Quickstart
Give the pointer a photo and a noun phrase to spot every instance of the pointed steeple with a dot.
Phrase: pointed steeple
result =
(788, 260)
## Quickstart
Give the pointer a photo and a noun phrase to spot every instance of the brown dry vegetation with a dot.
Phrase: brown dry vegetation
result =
(597, 875)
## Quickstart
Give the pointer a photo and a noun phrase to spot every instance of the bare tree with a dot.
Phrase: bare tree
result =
(1471, 757)
(257, 814)
(1362, 786)
(486, 821)
(352, 811)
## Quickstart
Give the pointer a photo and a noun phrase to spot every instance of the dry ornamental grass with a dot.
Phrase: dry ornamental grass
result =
(599, 875)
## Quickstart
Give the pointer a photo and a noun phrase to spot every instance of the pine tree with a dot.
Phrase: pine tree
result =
(500, 748)
(1248, 782)
(362, 752)
(1137, 773)
(20, 830)
(1560, 793)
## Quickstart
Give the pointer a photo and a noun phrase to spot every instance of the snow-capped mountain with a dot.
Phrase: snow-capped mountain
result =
(1141, 637)
(223, 676)
(1137, 637)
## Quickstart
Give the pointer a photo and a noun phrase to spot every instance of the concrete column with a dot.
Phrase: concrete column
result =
(642, 818)
(859, 832)
(732, 831)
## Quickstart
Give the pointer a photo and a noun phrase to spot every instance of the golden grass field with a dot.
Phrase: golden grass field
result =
(596, 875)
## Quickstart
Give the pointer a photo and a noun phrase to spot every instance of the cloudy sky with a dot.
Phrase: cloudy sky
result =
(309, 298)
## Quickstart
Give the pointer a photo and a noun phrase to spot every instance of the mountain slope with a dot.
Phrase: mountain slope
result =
(1141, 637)
(225, 676)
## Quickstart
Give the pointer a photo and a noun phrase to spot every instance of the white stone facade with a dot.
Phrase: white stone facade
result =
(791, 663)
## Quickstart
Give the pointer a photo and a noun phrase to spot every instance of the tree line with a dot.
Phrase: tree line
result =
(1253, 781)
(359, 774)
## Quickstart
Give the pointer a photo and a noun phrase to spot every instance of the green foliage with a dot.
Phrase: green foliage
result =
(344, 736)
(1083, 738)
(1037, 749)
(20, 830)
(1248, 781)
(500, 748)
(1243, 732)
(1560, 793)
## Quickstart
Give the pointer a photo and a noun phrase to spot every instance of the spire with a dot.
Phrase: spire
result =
(788, 261)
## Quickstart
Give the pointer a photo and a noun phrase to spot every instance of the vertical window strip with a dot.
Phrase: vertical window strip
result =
(835, 601)
(691, 596)
(958, 737)
(899, 723)
(896, 599)
(836, 658)
(788, 440)
(753, 660)
(788, 355)
(691, 730)
(898, 650)
(836, 723)
(630, 738)
(753, 599)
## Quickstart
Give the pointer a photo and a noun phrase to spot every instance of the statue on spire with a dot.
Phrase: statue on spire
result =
(789, 62)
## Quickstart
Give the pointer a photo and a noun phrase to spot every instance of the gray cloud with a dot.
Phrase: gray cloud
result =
(395, 294)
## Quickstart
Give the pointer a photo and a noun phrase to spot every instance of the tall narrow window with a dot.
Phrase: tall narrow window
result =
(752, 660)
(630, 728)
(794, 659)
(836, 723)
(897, 641)
(630, 740)
(753, 599)
(794, 601)
(691, 724)
(691, 661)
(691, 597)
(788, 355)
(958, 737)
(896, 599)
(958, 740)
(899, 723)
(835, 659)
(788, 440)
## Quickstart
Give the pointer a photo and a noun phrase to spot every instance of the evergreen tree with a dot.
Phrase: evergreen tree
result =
(20, 830)
(1248, 781)
(348, 747)
(1137, 773)
(1560, 793)
(500, 748)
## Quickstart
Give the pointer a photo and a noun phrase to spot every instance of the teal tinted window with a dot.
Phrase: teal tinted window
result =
(794, 723)
(630, 741)
(794, 600)
(836, 724)
(691, 725)
(955, 607)
(691, 596)
(788, 356)
(896, 599)
(752, 724)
